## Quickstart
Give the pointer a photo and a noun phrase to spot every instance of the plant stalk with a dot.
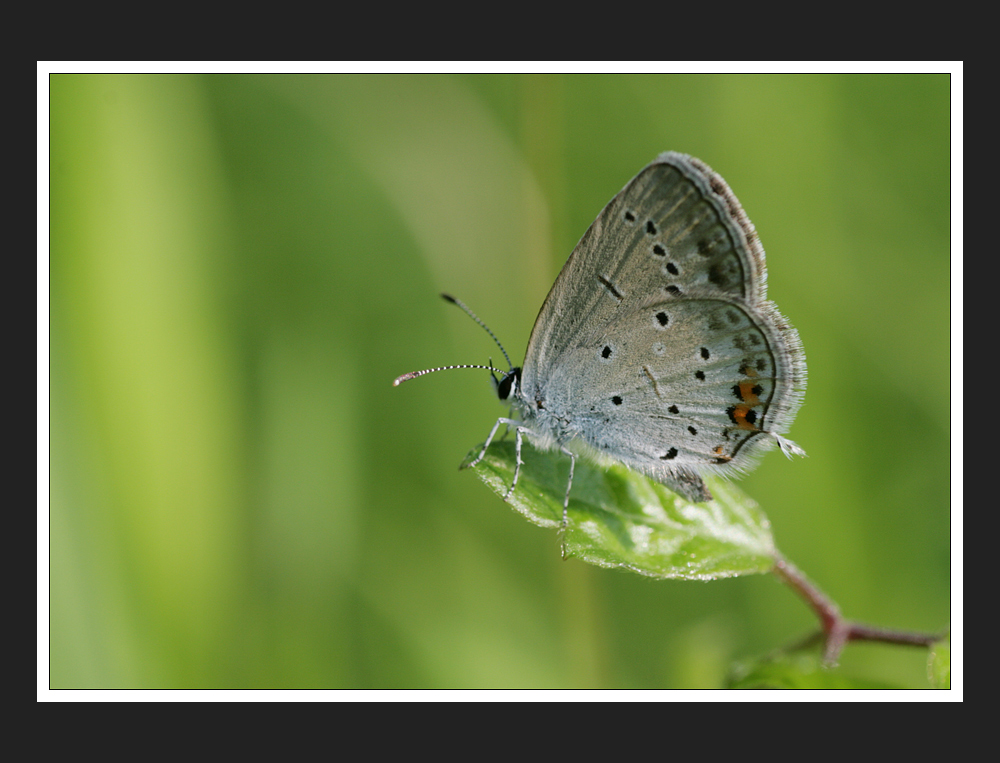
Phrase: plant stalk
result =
(836, 629)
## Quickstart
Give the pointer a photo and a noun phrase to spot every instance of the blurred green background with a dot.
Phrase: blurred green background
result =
(240, 266)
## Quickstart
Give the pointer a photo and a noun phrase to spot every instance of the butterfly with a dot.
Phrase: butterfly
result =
(656, 346)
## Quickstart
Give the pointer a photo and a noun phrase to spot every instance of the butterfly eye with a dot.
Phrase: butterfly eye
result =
(507, 388)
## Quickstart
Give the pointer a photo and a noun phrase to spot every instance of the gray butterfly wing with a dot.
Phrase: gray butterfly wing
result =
(694, 384)
(655, 346)
(676, 227)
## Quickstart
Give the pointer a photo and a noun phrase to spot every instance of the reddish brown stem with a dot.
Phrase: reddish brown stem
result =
(836, 629)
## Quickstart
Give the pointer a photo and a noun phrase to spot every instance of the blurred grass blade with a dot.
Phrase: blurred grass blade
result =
(619, 518)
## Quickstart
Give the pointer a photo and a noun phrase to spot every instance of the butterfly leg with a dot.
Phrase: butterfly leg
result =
(508, 422)
(565, 517)
(569, 484)
(519, 436)
(506, 431)
(519, 430)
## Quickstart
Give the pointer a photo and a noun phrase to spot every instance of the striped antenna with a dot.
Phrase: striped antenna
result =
(414, 374)
(475, 317)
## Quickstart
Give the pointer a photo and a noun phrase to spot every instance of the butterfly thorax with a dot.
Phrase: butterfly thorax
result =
(553, 420)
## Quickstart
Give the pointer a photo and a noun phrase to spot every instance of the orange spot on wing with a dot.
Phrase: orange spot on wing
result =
(747, 394)
(720, 457)
(739, 415)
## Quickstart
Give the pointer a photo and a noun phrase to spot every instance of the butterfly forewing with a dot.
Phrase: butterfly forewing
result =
(667, 234)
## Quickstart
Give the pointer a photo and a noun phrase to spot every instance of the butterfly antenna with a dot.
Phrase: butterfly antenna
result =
(487, 328)
(414, 374)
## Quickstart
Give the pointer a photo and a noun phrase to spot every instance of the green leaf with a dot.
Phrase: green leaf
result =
(619, 518)
(939, 664)
(795, 671)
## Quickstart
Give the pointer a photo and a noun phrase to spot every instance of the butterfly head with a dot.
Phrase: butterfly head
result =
(508, 385)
